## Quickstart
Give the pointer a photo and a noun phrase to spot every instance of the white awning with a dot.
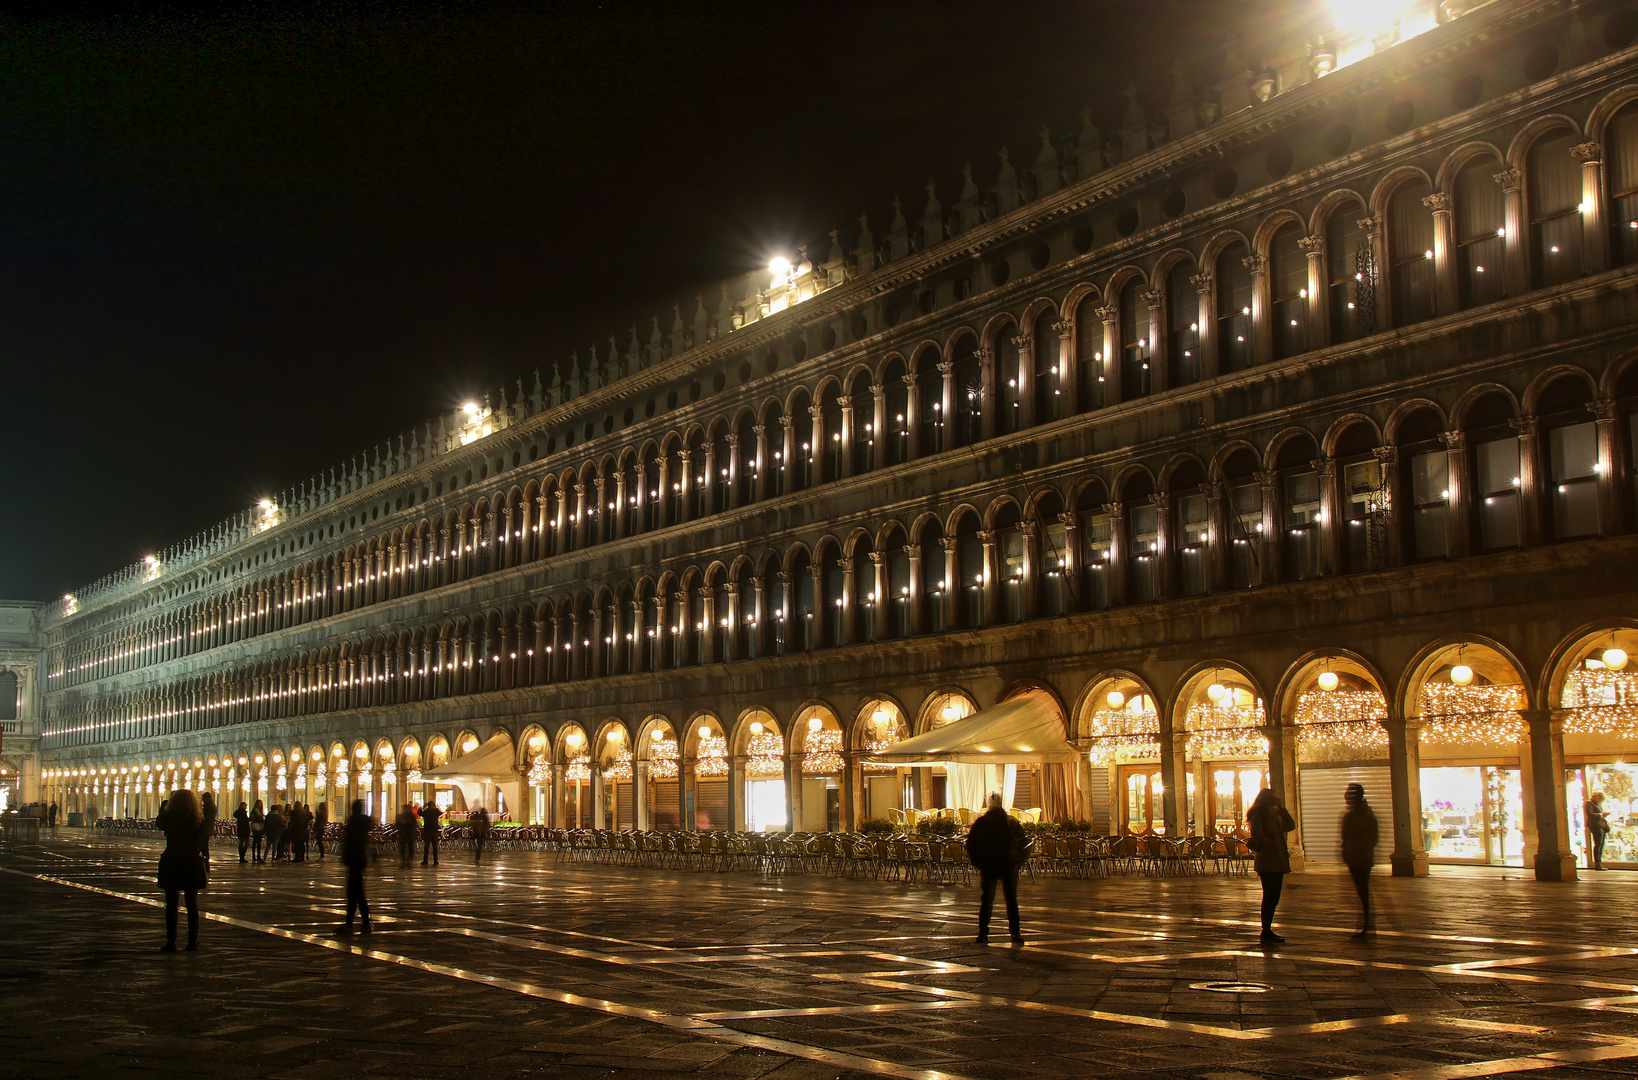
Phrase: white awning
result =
(490, 763)
(1016, 732)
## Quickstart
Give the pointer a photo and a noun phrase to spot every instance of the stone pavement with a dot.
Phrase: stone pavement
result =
(530, 966)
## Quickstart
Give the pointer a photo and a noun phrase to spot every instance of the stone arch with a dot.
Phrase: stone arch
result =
(1545, 379)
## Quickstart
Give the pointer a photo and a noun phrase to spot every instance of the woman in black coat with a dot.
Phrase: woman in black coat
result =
(241, 822)
(1270, 821)
(181, 867)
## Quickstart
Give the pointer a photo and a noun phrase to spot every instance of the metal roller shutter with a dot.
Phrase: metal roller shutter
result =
(663, 810)
(711, 803)
(1322, 808)
(1098, 793)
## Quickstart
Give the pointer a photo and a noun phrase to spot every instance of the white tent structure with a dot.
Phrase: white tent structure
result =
(980, 752)
(480, 774)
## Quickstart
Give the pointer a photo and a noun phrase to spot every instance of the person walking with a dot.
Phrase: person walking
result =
(51, 814)
(274, 828)
(258, 831)
(480, 832)
(355, 853)
(181, 866)
(996, 846)
(207, 828)
(300, 824)
(1359, 837)
(321, 818)
(1270, 821)
(430, 813)
(241, 820)
(1598, 824)
(406, 835)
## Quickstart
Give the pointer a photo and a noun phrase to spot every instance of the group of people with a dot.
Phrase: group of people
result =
(997, 847)
(280, 833)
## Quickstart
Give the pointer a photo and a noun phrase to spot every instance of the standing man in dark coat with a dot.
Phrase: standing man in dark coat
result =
(241, 819)
(1598, 823)
(321, 819)
(996, 847)
(1359, 836)
(274, 828)
(300, 824)
(355, 853)
(430, 813)
(51, 815)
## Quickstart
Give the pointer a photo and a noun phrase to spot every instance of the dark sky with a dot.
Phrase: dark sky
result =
(237, 247)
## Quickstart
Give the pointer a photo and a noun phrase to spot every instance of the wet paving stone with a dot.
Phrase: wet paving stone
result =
(536, 967)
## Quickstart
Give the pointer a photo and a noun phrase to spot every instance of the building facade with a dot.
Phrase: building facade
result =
(1283, 436)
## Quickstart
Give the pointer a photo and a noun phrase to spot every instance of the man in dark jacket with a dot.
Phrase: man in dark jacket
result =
(241, 818)
(355, 853)
(301, 825)
(1598, 824)
(996, 847)
(1359, 836)
(430, 813)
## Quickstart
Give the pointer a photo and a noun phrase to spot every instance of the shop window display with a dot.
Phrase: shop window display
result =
(1473, 814)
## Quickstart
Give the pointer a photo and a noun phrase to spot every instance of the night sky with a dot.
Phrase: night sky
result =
(237, 247)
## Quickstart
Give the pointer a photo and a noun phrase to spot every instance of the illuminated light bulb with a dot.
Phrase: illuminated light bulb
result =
(705, 731)
(1216, 691)
(469, 745)
(1461, 674)
(814, 723)
(1115, 699)
(950, 712)
(616, 735)
(1615, 659)
(756, 727)
(1327, 680)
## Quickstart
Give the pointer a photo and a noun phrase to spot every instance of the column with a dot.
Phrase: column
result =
(992, 578)
(1071, 562)
(1530, 480)
(879, 432)
(736, 791)
(853, 810)
(764, 465)
(912, 411)
(787, 454)
(1611, 470)
(1516, 274)
(579, 521)
(685, 493)
(1595, 238)
(1069, 373)
(793, 788)
(1117, 553)
(813, 458)
(622, 511)
(1319, 312)
(1165, 548)
(848, 435)
(947, 405)
(732, 477)
(602, 528)
(786, 618)
(917, 620)
(849, 610)
(986, 392)
(1555, 860)
(1459, 513)
(1174, 773)
(1444, 253)
(1393, 490)
(1206, 324)
(1262, 327)
(1026, 380)
(707, 629)
(1268, 539)
(1157, 365)
(1109, 359)
(662, 508)
(1409, 857)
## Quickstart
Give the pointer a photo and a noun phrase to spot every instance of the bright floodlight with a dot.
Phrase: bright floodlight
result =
(1615, 659)
(1116, 699)
(1367, 14)
(780, 266)
(1328, 680)
(470, 408)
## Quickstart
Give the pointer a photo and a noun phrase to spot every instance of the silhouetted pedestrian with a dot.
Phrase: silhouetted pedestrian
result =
(274, 827)
(1359, 836)
(51, 814)
(480, 833)
(181, 867)
(321, 819)
(300, 826)
(996, 846)
(258, 831)
(207, 828)
(430, 813)
(355, 853)
(1269, 823)
(1598, 823)
(241, 819)
(406, 835)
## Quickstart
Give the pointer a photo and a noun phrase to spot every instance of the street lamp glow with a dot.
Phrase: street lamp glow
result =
(780, 267)
(470, 408)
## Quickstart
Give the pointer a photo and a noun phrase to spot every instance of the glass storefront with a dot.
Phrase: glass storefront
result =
(1619, 783)
(1473, 814)
(1234, 788)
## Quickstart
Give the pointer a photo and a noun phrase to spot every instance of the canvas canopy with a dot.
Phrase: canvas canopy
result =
(490, 763)
(1020, 731)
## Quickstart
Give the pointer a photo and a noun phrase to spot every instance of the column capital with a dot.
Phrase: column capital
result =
(984, 354)
(1438, 202)
(1387, 456)
(1314, 245)
(1267, 479)
(1154, 298)
(845, 401)
(1064, 327)
(1109, 313)
(1069, 520)
(1256, 264)
(1510, 179)
(878, 557)
(1455, 439)
(759, 430)
(1603, 408)
(1369, 224)
(949, 543)
(1201, 281)
(1324, 466)
(1023, 341)
(817, 412)
(1526, 426)
(946, 366)
(1588, 153)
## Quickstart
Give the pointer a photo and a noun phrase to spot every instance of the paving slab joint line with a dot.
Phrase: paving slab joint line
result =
(684, 1023)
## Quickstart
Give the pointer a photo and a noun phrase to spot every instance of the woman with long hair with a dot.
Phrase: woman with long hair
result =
(1270, 821)
(181, 867)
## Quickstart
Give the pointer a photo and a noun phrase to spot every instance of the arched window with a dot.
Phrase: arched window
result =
(633, 510)
(1142, 541)
(773, 432)
(1089, 352)
(722, 458)
(1345, 274)
(1010, 563)
(1364, 502)
(1481, 218)
(1410, 253)
(1426, 480)
(1047, 395)
(1299, 508)
(1190, 529)
(1096, 544)
(828, 454)
(969, 392)
(929, 404)
(1621, 181)
(1245, 524)
(1233, 309)
(894, 607)
(745, 636)
(1183, 325)
(799, 625)
(674, 483)
(933, 585)
(1006, 380)
(970, 566)
(833, 600)
(1493, 454)
(609, 627)
(722, 623)
(864, 590)
(1134, 342)
(1054, 561)
(1553, 185)
(699, 482)
(797, 470)
(1569, 440)
(1288, 290)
